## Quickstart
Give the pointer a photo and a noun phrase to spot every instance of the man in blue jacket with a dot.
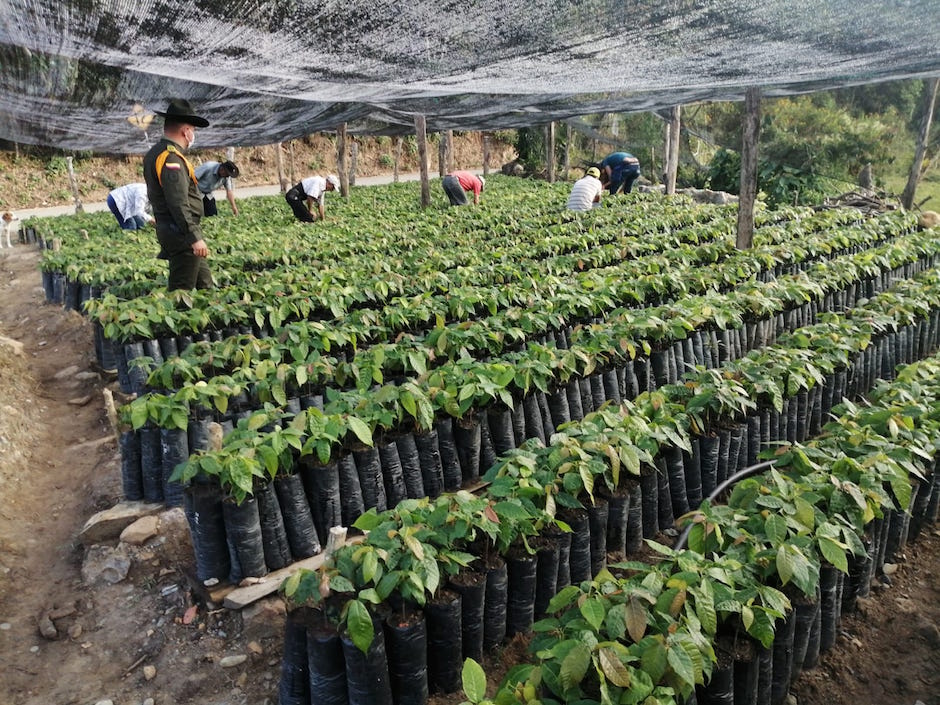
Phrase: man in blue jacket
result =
(621, 170)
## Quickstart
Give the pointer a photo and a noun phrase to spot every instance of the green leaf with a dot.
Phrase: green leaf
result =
(370, 564)
(834, 553)
(340, 584)
(359, 624)
(474, 681)
(564, 598)
(654, 660)
(359, 427)
(776, 528)
(574, 666)
(290, 585)
(681, 664)
(593, 611)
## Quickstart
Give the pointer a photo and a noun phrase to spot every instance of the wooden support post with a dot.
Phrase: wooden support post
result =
(79, 208)
(926, 117)
(441, 156)
(486, 153)
(672, 155)
(341, 160)
(449, 151)
(567, 164)
(748, 192)
(353, 159)
(396, 143)
(290, 161)
(550, 151)
(422, 136)
(279, 161)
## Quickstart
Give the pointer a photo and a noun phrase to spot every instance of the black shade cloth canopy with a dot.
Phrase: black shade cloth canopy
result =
(90, 74)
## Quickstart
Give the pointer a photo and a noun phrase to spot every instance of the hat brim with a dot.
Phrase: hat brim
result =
(193, 120)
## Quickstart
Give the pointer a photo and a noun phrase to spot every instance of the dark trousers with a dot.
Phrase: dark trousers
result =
(623, 176)
(187, 271)
(209, 207)
(296, 198)
(454, 191)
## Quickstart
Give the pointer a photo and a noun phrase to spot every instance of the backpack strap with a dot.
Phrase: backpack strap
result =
(161, 160)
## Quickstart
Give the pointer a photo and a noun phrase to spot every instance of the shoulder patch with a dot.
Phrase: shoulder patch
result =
(172, 166)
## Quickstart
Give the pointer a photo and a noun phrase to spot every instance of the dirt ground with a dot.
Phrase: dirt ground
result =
(147, 637)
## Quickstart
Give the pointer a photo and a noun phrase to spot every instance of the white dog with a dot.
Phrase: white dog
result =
(9, 225)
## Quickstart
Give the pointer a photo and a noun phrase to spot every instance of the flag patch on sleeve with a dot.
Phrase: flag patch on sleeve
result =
(174, 167)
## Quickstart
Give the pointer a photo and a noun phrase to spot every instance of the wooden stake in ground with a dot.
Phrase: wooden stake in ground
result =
(79, 208)
(748, 192)
(421, 133)
(929, 98)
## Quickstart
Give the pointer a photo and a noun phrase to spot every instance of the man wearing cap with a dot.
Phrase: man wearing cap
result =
(301, 197)
(175, 198)
(211, 176)
(620, 169)
(586, 192)
(457, 183)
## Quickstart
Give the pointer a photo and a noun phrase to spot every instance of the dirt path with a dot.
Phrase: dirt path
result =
(59, 464)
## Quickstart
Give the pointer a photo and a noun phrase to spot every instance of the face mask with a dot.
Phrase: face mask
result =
(192, 141)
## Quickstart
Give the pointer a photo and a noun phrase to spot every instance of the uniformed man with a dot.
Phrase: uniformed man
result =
(176, 200)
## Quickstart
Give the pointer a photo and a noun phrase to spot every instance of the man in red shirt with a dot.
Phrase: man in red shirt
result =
(458, 183)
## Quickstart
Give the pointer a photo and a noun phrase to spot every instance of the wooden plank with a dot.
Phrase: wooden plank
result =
(244, 596)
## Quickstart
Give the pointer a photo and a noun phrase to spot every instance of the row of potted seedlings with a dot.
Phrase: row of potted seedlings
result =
(338, 492)
(773, 517)
(451, 453)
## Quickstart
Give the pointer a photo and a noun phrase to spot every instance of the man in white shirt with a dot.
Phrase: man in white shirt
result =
(129, 205)
(302, 196)
(586, 192)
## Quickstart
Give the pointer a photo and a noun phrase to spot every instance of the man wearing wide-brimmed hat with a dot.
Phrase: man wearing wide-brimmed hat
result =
(176, 200)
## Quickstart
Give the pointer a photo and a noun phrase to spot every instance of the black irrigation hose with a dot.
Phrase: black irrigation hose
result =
(724, 486)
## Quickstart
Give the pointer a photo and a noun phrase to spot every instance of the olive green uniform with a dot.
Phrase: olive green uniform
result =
(177, 209)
